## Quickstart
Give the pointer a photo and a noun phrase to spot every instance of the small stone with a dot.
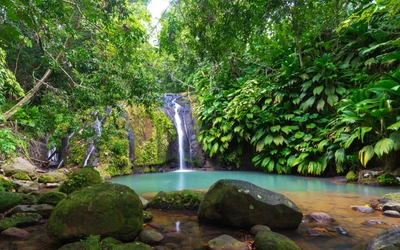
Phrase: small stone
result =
(151, 237)
(156, 226)
(363, 209)
(391, 205)
(226, 242)
(15, 232)
(313, 232)
(147, 216)
(341, 231)
(392, 213)
(259, 228)
(52, 185)
(145, 202)
(320, 217)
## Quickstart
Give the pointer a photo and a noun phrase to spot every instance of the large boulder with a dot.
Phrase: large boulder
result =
(52, 198)
(386, 240)
(9, 200)
(242, 204)
(54, 176)
(267, 240)
(105, 209)
(84, 177)
(20, 165)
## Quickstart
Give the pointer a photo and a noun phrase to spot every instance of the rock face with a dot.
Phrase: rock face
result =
(267, 240)
(241, 204)
(20, 165)
(386, 240)
(226, 242)
(105, 209)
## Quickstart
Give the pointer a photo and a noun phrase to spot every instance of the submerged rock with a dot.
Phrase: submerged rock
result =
(14, 232)
(392, 213)
(320, 217)
(379, 224)
(147, 216)
(272, 241)
(242, 204)
(106, 209)
(226, 242)
(386, 240)
(363, 209)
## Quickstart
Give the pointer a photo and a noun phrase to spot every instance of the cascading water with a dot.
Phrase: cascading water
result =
(181, 135)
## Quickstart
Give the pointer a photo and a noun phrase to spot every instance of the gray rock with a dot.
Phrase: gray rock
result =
(14, 232)
(9, 200)
(259, 228)
(242, 204)
(363, 209)
(313, 232)
(379, 224)
(43, 209)
(145, 202)
(386, 240)
(20, 165)
(272, 241)
(226, 242)
(27, 187)
(391, 205)
(320, 217)
(150, 237)
(392, 213)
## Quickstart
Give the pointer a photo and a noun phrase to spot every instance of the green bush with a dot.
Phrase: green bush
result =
(351, 176)
(387, 179)
(84, 177)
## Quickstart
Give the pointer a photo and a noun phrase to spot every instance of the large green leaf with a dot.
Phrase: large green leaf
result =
(278, 140)
(395, 137)
(366, 154)
(265, 162)
(260, 145)
(307, 104)
(394, 126)
(318, 90)
(268, 139)
(340, 155)
(270, 166)
(332, 99)
(383, 146)
(275, 128)
(320, 105)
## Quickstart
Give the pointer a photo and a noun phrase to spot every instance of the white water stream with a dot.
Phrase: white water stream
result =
(179, 130)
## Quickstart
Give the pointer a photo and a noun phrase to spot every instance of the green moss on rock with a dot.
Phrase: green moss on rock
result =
(351, 176)
(46, 179)
(268, 240)
(109, 210)
(387, 179)
(21, 176)
(9, 200)
(20, 220)
(52, 198)
(182, 200)
(84, 177)
(6, 184)
(392, 196)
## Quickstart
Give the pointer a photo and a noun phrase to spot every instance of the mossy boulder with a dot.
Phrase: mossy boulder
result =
(6, 184)
(392, 196)
(268, 240)
(84, 177)
(46, 179)
(9, 200)
(52, 198)
(181, 200)
(351, 176)
(386, 240)
(226, 242)
(20, 220)
(109, 210)
(19, 165)
(21, 176)
(241, 204)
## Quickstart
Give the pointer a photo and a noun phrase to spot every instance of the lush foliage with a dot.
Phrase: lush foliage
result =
(311, 85)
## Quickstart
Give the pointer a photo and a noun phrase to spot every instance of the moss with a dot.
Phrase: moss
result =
(182, 200)
(9, 200)
(92, 243)
(77, 152)
(351, 176)
(392, 196)
(52, 198)
(387, 179)
(267, 240)
(147, 216)
(6, 184)
(46, 179)
(147, 170)
(84, 177)
(21, 176)
(132, 246)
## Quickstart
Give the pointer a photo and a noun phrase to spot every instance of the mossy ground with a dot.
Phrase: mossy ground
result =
(182, 200)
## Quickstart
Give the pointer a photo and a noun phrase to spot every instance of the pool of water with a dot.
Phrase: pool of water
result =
(183, 231)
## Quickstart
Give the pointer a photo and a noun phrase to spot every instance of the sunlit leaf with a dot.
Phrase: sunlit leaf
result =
(383, 146)
(366, 154)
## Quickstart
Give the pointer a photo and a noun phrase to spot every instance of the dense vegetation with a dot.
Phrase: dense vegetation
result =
(309, 85)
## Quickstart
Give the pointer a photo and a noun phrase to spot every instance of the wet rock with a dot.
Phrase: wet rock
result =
(320, 217)
(151, 237)
(363, 209)
(314, 232)
(272, 241)
(386, 240)
(9, 200)
(392, 196)
(145, 202)
(73, 246)
(14, 232)
(226, 242)
(341, 230)
(52, 198)
(383, 200)
(43, 209)
(259, 228)
(379, 224)
(52, 185)
(242, 204)
(27, 187)
(339, 180)
(156, 226)
(107, 209)
(391, 205)
(392, 213)
(19, 165)
(159, 248)
(147, 216)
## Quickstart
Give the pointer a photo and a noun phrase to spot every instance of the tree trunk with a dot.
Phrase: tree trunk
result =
(389, 161)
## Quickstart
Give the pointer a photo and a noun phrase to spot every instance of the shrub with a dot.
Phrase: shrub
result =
(387, 179)
(84, 177)
(351, 176)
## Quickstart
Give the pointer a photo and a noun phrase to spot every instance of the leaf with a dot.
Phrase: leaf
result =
(260, 145)
(275, 128)
(383, 146)
(394, 126)
(278, 140)
(307, 104)
(265, 162)
(366, 154)
(395, 137)
(317, 77)
(271, 166)
(320, 105)
(268, 139)
(311, 125)
(256, 159)
(330, 90)
(318, 90)
(322, 144)
(340, 155)
(340, 90)
(299, 135)
(332, 99)
(350, 140)
(364, 130)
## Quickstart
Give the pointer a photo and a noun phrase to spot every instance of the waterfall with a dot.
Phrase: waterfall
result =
(181, 135)
(97, 129)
